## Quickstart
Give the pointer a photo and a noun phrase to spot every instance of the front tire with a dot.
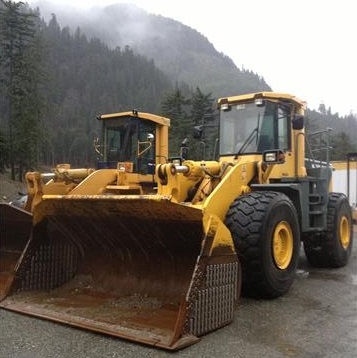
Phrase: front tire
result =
(265, 231)
(332, 248)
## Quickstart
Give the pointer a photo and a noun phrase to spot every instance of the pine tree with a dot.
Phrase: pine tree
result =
(3, 152)
(341, 145)
(204, 121)
(174, 106)
(187, 115)
(19, 63)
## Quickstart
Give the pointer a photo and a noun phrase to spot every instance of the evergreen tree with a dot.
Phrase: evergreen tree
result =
(174, 106)
(343, 137)
(341, 145)
(19, 63)
(187, 115)
(322, 109)
(3, 152)
(205, 123)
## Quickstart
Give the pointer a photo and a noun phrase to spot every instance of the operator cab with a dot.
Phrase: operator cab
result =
(253, 127)
(128, 141)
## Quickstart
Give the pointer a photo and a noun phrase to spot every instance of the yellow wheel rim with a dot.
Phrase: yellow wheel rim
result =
(344, 232)
(283, 245)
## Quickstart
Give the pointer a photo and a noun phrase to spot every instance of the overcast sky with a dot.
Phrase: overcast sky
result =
(303, 47)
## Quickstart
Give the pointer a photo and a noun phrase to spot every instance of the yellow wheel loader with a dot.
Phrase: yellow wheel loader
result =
(166, 267)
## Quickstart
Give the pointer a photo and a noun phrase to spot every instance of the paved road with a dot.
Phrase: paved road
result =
(316, 319)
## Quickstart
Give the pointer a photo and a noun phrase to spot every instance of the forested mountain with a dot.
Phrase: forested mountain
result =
(178, 50)
(54, 83)
(55, 79)
(186, 56)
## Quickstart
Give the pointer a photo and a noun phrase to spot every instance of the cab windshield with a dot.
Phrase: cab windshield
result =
(127, 139)
(247, 128)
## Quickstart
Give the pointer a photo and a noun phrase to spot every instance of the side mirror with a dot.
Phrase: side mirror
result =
(298, 122)
(184, 152)
(197, 132)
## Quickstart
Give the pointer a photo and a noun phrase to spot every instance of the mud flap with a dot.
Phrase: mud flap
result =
(140, 268)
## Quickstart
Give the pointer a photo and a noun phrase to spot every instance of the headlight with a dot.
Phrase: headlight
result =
(270, 157)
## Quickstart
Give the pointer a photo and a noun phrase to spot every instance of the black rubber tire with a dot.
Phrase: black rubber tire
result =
(252, 220)
(327, 249)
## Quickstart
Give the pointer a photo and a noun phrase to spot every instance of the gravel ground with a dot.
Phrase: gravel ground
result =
(317, 318)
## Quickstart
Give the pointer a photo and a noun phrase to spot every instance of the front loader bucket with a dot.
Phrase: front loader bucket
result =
(15, 229)
(140, 268)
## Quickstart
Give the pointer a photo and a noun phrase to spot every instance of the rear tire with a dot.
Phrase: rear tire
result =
(265, 231)
(333, 247)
